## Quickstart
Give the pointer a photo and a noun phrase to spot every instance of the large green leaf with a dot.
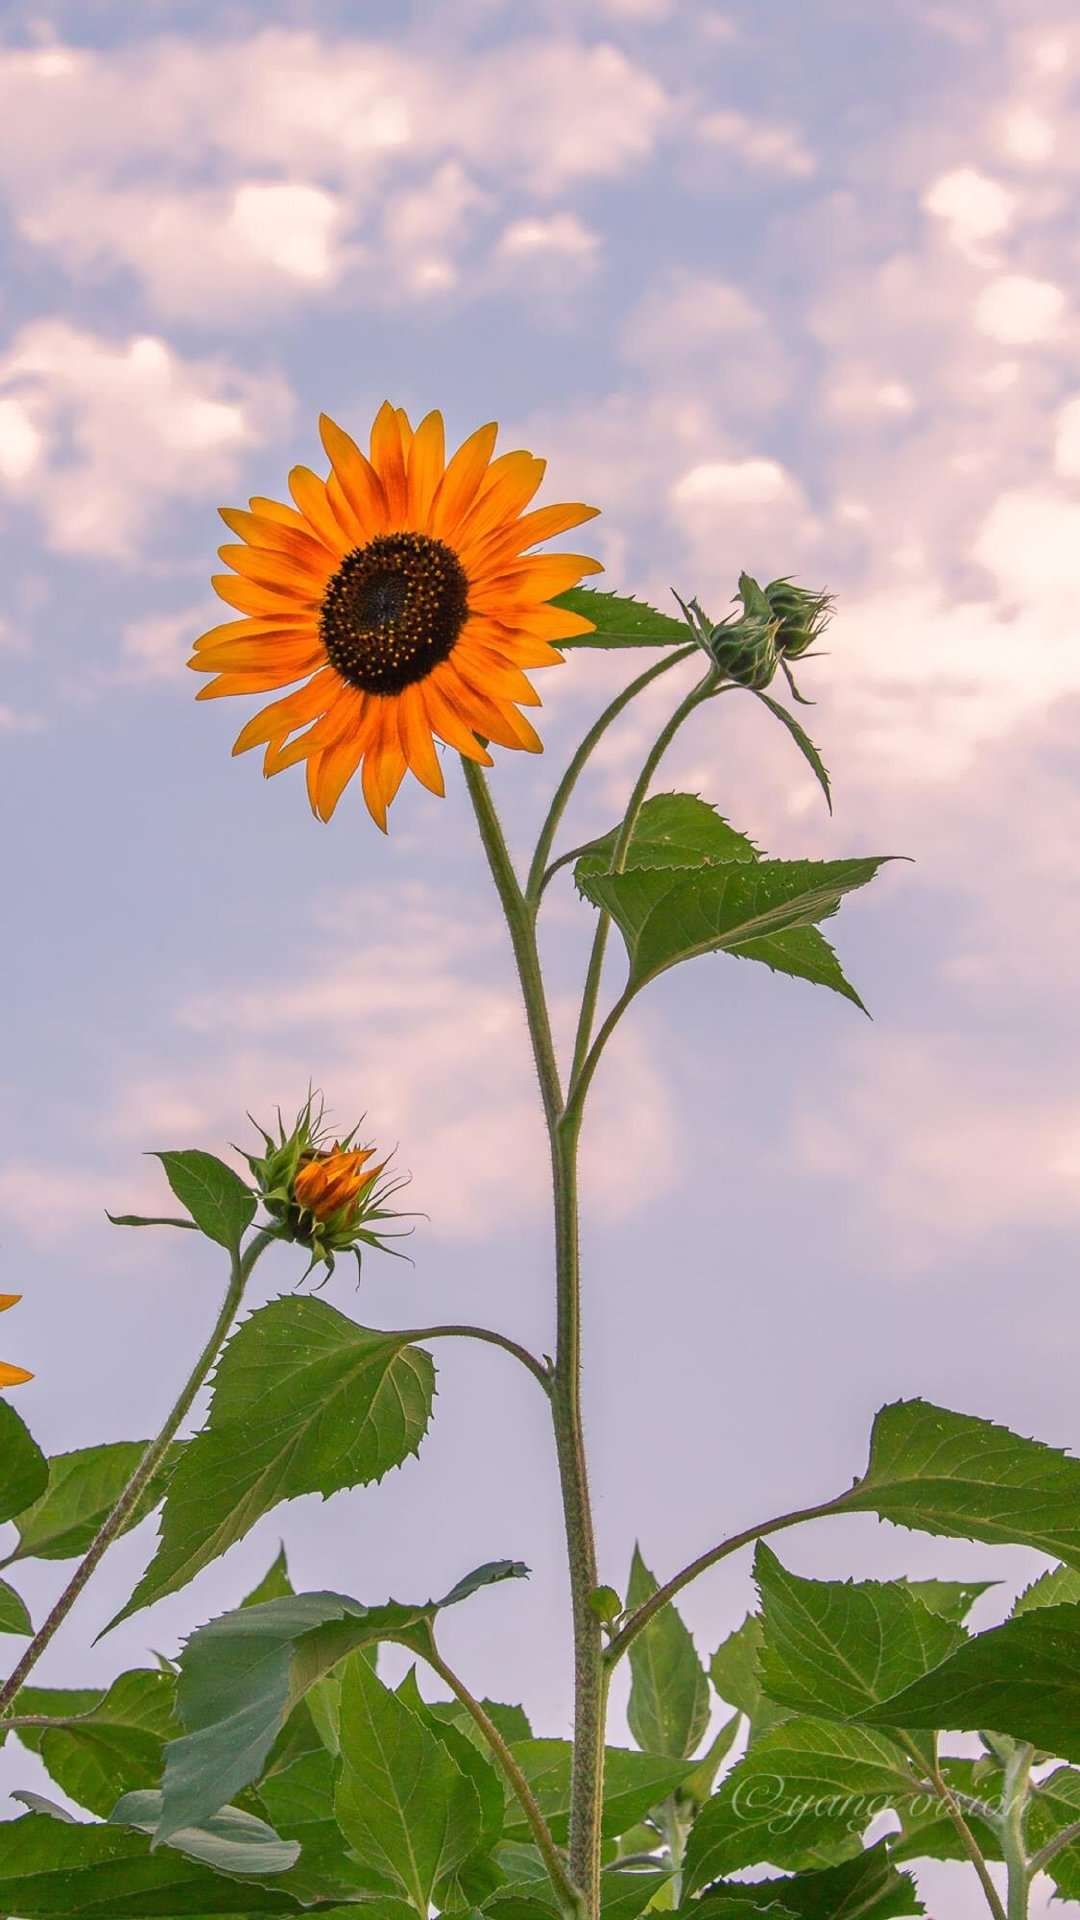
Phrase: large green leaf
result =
(620, 621)
(734, 1672)
(403, 1802)
(487, 1785)
(1022, 1678)
(867, 1887)
(1059, 1586)
(949, 1473)
(111, 1749)
(83, 1488)
(70, 1871)
(14, 1617)
(231, 1841)
(800, 1798)
(305, 1401)
(672, 830)
(298, 1800)
(1055, 1806)
(670, 914)
(24, 1469)
(668, 1710)
(243, 1674)
(837, 1647)
(633, 1784)
(953, 1599)
(220, 1204)
(511, 1721)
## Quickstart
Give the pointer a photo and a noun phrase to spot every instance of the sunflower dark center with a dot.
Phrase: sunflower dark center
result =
(393, 611)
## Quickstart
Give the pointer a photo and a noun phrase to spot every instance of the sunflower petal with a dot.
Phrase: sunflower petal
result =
(509, 485)
(388, 460)
(448, 723)
(278, 570)
(414, 729)
(359, 481)
(13, 1376)
(293, 541)
(266, 681)
(457, 488)
(247, 596)
(9, 1300)
(334, 769)
(282, 717)
(427, 459)
(311, 497)
(536, 578)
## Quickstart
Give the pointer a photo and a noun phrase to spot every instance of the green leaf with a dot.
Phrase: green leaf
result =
(230, 1841)
(734, 1673)
(953, 1599)
(799, 1798)
(620, 621)
(699, 1784)
(805, 954)
(926, 1831)
(672, 830)
(305, 1401)
(83, 1488)
(1058, 1586)
(1022, 1679)
(242, 1675)
(14, 1617)
(24, 1469)
(624, 1893)
(667, 915)
(220, 1204)
(668, 1710)
(633, 1784)
(111, 1749)
(275, 1583)
(71, 1871)
(837, 1647)
(403, 1803)
(803, 742)
(512, 1722)
(299, 1803)
(1055, 1805)
(476, 1768)
(952, 1474)
(865, 1888)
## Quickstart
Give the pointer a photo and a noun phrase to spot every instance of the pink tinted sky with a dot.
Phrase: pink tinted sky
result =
(789, 289)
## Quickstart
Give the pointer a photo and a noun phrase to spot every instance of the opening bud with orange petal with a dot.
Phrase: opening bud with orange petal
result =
(11, 1376)
(323, 1192)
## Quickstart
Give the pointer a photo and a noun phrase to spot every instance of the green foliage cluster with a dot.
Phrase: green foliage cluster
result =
(273, 1769)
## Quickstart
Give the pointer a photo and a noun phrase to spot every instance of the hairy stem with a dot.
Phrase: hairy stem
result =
(113, 1523)
(413, 1335)
(586, 1787)
(1018, 1867)
(539, 872)
(568, 1894)
(933, 1775)
(703, 691)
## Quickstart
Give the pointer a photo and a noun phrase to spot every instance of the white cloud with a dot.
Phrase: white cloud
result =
(974, 207)
(758, 144)
(1019, 310)
(130, 424)
(156, 647)
(740, 483)
(327, 154)
(1030, 543)
(1028, 136)
(20, 441)
(560, 236)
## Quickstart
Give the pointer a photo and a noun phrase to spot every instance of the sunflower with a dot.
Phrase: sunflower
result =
(11, 1376)
(402, 591)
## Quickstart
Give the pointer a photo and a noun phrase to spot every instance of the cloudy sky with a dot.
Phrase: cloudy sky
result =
(787, 287)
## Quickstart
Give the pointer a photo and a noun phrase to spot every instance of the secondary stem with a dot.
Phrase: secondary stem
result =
(586, 1787)
(536, 1367)
(1018, 1867)
(113, 1523)
(975, 1854)
(568, 1895)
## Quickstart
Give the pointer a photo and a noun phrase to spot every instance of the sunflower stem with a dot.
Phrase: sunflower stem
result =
(591, 993)
(539, 872)
(413, 1335)
(240, 1270)
(590, 1680)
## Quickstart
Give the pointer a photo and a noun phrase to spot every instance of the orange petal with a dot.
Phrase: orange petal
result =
(280, 514)
(9, 1300)
(449, 724)
(342, 721)
(509, 644)
(13, 1376)
(388, 460)
(406, 432)
(310, 495)
(263, 655)
(248, 597)
(248, 629)
(493, 675)
(414, 730)
(291, 541)
(427, 458)
(510, 484)
(279, 570)
(537, 577)
(491, 718)
(282, 717)
(458, 487)
(334, 771)
(265, 682)
(359, 481)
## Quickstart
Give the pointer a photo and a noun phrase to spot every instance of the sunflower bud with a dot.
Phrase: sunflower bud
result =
(746, 650)
(803, 616)
(321, 1192)
(11, 1376)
